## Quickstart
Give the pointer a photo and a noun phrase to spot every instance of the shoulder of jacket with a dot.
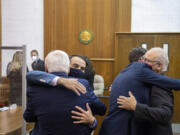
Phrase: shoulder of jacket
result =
(83, 81)
(161, 88)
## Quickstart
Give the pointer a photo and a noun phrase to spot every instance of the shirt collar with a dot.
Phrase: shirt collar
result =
(60, 74)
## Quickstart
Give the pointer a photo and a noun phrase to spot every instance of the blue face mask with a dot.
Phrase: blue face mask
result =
(77, 73)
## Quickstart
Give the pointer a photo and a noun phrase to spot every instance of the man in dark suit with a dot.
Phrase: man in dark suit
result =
(37, 64)
(157, 115)
(160, 110)
(79, 66)
(137, 77)
(51, 109)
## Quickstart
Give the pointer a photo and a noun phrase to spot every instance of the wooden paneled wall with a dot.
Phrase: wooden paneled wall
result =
(127, 41)
(65, 19)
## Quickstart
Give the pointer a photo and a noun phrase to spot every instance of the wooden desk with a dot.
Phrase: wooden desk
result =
(11, 122)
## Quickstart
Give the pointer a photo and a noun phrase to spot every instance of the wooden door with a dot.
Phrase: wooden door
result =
(125, 44)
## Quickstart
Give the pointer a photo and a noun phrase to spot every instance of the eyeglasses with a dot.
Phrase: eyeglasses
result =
(148, 60)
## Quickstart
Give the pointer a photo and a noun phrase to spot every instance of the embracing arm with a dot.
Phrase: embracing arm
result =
(43, 78)
(160, 111)
(39, 77)
(147, 75)
(97, 106)
(161, 115)
(83, 116)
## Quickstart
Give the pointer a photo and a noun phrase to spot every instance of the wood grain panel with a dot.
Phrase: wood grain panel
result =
(65, 19)
(126, 41)
(124, 12)
(49, 29)
(104, 69)
(124, 45)
(73, 17)
(101, 118)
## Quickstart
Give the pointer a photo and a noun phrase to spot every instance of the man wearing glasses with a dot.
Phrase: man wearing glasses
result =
(137, 77)
(160, 110)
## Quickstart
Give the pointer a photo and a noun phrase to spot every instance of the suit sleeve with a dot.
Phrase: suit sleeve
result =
(29, 115)
(161, 110)
(149, 76)
(97, 106)
(94, 125)
(39, 78)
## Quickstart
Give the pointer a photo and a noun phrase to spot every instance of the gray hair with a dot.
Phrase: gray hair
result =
(57, 61)
(162, 57)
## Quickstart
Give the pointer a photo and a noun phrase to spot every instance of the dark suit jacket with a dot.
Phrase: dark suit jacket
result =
(159, 113)
(136, 77)
(43, 78)
(38, 65)
(50, 108)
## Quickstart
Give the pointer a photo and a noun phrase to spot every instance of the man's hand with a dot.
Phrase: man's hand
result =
(83, 116)
(72, 84)
(128, 103)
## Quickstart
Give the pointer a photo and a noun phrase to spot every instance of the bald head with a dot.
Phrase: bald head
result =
(57, 61)
(157, 55)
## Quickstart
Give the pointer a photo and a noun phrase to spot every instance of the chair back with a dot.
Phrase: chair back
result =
(98, 85)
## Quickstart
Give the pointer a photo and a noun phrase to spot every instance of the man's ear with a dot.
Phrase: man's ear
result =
(160, 67)
(46, 70)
